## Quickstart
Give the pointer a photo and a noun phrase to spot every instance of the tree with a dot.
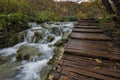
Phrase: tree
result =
(117, 5)
(111, 11)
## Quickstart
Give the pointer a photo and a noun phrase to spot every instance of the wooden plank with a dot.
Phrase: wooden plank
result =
(75, 76)
(86, 27)
(87, 24)
(97, 49)
(112, 66)
(95, 69)
(56, 76)
(93, 54)
(102, 46)
(64, 78)
(87, 30)
(87, 73)
(90, 36)
(89, 55)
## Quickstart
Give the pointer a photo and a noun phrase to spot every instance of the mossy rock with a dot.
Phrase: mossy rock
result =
(43, 26)
(66, 35)
(37, 33)
(59, 43)
(7, 70)
(57, 50)
(51, 38)
(13, 39)
(3, 59)
(26, 52)
(21, 36)
(55, 30)
(44, 72)
(38, 36)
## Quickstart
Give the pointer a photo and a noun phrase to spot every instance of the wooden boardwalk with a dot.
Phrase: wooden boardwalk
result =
(89, 55)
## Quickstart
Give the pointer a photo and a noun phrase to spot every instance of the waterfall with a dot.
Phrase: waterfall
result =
(39, 36)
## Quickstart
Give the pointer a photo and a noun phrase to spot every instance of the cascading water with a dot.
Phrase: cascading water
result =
(40, 38)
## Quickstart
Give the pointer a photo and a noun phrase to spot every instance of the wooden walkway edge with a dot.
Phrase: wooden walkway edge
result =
(89, 55)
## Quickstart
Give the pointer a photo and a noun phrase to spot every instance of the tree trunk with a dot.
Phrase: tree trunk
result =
(108, 7)
(117, 5)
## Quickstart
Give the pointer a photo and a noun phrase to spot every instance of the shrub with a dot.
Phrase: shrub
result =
(81, 15)
(116, 33)
(90, 14)
(109, 28)
(43, 16)
(14, 22)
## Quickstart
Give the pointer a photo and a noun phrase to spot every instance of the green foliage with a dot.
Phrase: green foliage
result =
(81, 15)
(90, 14)
(106, 19)
(43, 16)
(107, 25)
(13, 22)
(116, 33)
(14, 14)
(70, 18)
(52, 16)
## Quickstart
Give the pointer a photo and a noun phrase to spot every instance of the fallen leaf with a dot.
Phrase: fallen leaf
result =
(97, 67)
(98, 61)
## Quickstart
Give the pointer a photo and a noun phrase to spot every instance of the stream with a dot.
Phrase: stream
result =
(26, 60)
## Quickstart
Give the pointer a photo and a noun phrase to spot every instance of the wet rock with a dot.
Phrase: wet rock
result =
(55, 30)
(59, 43)
(65, 36)
(3, 59)
(59, 51)
(26, 52)
(44, 72)
(50, 45)
(38, 36)
(56, 50)
(50, 22)
(12, 39)
(51, 38)
(7, 70)
(21, 36)
(43, 26)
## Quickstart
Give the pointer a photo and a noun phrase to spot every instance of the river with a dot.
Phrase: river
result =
(25, 65)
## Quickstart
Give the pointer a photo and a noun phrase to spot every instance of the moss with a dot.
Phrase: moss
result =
(44, 71)
(11, 40)
(14, 22)
(7, 70)
(43, 26)
(21, 38)
(56, 50)
(51, 38)
(3, 59)
(109, 28)
(26, 52)
(116, 33)
(38, 36)
(54, 61)
(59, 43)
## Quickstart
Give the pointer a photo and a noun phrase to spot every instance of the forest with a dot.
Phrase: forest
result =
(15, 14)
(44, 10)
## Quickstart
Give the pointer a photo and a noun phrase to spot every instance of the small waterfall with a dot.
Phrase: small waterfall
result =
(40, 37)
